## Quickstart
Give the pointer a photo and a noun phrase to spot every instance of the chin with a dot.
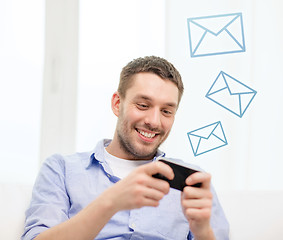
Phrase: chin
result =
(146, 154)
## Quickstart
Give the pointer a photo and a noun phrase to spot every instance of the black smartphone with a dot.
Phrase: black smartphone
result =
(181, 172)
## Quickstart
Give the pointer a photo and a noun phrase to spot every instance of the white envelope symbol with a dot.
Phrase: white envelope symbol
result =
(207, 138)
(214, 35)
(231, 94)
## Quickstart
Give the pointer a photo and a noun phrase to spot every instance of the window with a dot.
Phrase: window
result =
(21, 61)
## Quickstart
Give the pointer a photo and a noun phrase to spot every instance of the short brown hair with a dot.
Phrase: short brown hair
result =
(156, 65)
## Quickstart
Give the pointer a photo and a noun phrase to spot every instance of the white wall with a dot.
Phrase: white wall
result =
(21, 71)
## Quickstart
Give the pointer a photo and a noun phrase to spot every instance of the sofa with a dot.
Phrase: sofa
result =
(253, 215)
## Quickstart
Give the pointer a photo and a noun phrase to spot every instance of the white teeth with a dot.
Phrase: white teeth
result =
(148, 135)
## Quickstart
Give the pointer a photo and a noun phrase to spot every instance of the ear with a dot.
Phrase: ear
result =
(115, 103)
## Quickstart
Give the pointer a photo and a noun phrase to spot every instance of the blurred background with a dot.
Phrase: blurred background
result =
(60, 63)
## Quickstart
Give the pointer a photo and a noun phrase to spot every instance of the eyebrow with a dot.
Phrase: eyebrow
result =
(147, 98)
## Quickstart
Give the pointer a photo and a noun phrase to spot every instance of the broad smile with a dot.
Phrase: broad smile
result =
(147, 136)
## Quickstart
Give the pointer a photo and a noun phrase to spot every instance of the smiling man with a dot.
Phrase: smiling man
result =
(145, 118)
(110, 192)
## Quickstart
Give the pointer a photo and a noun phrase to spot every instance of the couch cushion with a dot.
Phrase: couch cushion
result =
(253, 214)
(14, 201)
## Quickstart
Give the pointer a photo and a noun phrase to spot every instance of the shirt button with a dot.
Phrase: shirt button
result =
(133, 225)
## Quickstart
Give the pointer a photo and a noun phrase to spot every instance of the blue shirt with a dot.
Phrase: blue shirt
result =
(67, 184)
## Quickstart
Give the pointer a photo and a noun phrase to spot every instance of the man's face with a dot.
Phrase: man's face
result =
(146, 115)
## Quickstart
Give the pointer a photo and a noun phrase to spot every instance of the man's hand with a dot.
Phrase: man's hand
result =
(197, 204)
(139, 188)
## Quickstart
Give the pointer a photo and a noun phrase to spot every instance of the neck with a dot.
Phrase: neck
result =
(116, 150)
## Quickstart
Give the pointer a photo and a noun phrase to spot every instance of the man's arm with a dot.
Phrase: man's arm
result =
(138, 189)
(197, 204)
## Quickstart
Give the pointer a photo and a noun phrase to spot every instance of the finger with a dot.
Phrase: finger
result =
(199, 177)
(159, 167)
(196, 193)
(150, 202)
(159, 185)
(154, 194)
(143, 196)
(150, 182)
(198, 214)
(197, 203)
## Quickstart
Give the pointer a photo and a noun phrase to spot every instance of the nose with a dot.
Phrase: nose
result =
(153, 118)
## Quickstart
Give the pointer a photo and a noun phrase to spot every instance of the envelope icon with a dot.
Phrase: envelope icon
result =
(231, 94)
(207, 138)
(214, 35)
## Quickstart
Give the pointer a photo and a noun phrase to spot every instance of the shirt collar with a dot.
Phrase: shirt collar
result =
(98, 153)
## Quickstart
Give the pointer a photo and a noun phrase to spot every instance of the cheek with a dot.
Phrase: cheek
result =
(134, 115)
(167, 123)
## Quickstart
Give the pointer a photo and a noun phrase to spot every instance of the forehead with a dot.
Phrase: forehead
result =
(155, 88)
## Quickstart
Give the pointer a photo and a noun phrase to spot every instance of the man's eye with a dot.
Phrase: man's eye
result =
(142, 106)
(167, 112)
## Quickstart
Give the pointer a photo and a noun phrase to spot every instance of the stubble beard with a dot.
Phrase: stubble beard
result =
(132, 151)
(128, 145)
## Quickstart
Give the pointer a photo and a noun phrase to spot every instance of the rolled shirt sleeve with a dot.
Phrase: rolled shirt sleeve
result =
(50, 202)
